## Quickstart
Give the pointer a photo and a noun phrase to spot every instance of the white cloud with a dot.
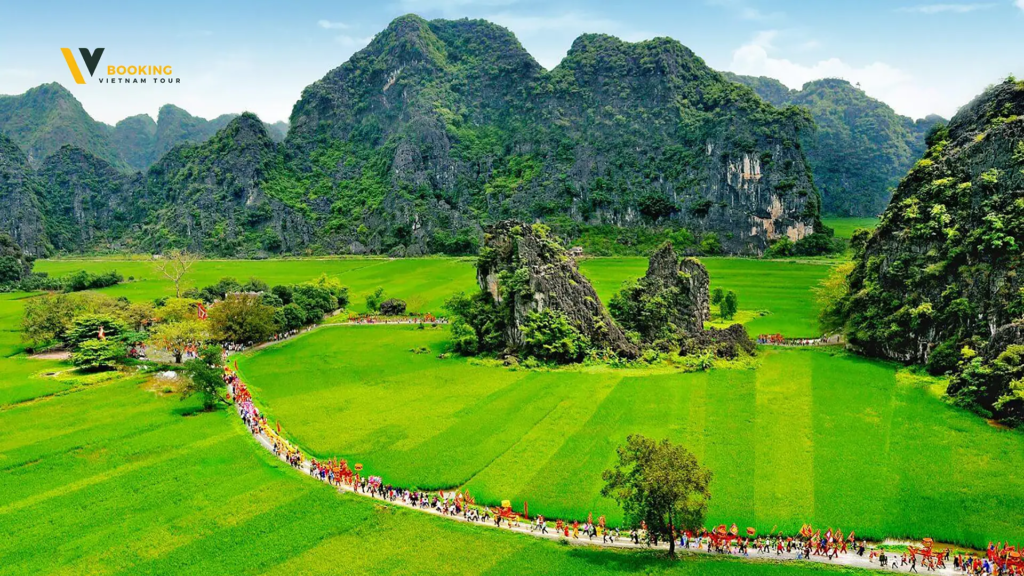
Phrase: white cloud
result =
(328, 25)
(743, 10)
(1020, 4)
(900, 90)
(951, 8)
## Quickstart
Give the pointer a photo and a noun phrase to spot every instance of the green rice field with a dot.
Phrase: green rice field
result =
(808, 436)
(118, 478)
(780, 290)
(845, 227)
(115, 474)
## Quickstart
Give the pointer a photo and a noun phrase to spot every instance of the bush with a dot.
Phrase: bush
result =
(548, 336)
(781, 248)
(392, 307)
(464, 338)
(944, 358)
(710, 244)
(95, 355)
(82, 280)
(374, 299)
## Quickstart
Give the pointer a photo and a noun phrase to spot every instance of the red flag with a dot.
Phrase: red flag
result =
(201, 311)
(102, 335)
(236, 365)
(278, 426)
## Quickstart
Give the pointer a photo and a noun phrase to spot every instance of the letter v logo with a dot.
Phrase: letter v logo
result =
(72, 65)
(91, 60)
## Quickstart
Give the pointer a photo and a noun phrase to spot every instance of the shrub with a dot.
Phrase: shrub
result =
(548, 336)
(95, 354)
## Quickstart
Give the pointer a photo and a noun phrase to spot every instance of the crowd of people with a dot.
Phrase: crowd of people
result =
(780, 340)
(1000, 560)
(373, 319)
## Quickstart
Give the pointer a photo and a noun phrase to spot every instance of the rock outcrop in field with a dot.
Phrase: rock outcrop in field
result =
(525, 269)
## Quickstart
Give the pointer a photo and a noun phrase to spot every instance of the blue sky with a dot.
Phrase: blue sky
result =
(918, 56)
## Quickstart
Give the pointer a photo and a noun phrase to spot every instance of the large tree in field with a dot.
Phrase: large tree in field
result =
(242, 318)
(660, 484)
(174, 265)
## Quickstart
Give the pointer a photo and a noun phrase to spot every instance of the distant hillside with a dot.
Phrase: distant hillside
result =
(431, 132)
(45, 118)
(861, 147)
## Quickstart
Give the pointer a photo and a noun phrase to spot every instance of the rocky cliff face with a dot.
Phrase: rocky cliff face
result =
(437, 126)
(20, 212)
(943, 265)
(860, 148)
(209, 196)
(522, 263)
(87, 203)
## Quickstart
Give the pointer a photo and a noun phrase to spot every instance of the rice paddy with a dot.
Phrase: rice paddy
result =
(808, 436)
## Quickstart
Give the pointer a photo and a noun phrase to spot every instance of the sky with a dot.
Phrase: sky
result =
(918, 56)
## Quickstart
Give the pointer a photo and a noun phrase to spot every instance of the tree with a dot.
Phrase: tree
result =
(392, 307)
(730, 305)
(205, 376)
(88, 326)
(315, 301)
(374, 299)
(717, 296)
(660, 484)
(334, 286)
(242, 318)
(178, 310)
(290, 317)
(174, 265)
(174, 337)
(95, 354)
(48, 318)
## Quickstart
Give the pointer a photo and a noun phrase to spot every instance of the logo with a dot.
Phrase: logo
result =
(117, 74)
(90, 59)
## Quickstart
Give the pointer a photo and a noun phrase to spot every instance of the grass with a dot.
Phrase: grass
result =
(845, 227)
(114, 478)
(780, 289)
(809, 436)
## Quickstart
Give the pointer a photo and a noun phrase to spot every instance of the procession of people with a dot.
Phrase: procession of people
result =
(1001, 559)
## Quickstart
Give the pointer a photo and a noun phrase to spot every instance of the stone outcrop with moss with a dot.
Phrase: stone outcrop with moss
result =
(671, 300)
(525, 270)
